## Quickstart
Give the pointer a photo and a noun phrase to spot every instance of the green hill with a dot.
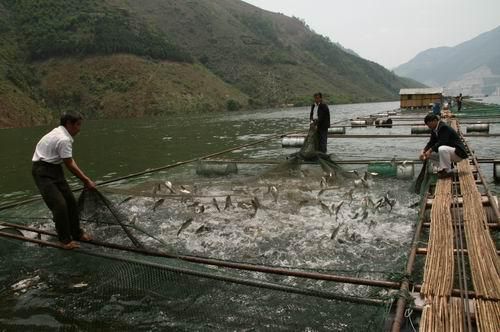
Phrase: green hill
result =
(120, 58)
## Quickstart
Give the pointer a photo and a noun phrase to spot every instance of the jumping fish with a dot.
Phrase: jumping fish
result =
(169, 186)
(323, 183)
(274, 193)
(349, 195)
(325, 208)
(414, 205)
(25, 283)
(215, 204)
(184, 191)
(185, 225)
(156, 189)
(244, 205)
(389, 201)
(368, 203)
(337, 209)
(229, 204)
(256, 205)
(126, 200)
(380, 203)
(158, 203)
(335, 231)
(80, 285)
(202, 229)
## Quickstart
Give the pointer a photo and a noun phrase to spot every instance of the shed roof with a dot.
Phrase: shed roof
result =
(421, 91)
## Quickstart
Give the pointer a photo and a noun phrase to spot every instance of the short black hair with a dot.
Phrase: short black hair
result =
(430, 117)
(318, 94)
(72, 118)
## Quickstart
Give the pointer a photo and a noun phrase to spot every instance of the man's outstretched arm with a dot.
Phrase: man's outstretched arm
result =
(73, 168)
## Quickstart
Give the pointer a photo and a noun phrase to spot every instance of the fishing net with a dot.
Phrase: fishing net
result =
(293, 214)
(103, 293)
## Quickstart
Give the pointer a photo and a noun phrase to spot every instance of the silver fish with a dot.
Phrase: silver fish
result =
(365, 215)
(202, 229)
(185, 225)
(335, 231)
(158, 203)
(389, 201)
(169, 186)
(274, 193)
(380, 203)
(256, 205)
(349, 195)
(337, 209)
(80, 285)
(156, 189)
(229, 204)
(215, 204)
(25, 283)
(323, 183)
(325, 208)
(126, 200)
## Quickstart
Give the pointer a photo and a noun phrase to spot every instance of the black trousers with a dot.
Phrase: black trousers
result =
(49, 179)
(323, 139)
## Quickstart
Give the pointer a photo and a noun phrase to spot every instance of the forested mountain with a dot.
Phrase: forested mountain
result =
(120, 58)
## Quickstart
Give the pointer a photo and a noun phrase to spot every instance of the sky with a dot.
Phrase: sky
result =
(392, 32)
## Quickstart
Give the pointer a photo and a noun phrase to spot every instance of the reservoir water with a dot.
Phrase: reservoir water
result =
(47, 289)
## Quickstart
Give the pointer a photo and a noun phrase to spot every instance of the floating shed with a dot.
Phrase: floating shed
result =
(420, 98)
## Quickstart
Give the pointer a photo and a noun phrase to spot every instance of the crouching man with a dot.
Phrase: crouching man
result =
(444, 147)
(53, 150)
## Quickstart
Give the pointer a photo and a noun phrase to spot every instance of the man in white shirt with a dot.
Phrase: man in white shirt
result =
(53, 150)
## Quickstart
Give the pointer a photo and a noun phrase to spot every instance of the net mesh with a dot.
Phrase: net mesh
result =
(101, 294)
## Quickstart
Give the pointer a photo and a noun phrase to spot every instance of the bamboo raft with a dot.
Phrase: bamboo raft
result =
(442, 312)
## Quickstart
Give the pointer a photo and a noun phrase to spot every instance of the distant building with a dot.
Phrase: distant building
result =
(420, 98)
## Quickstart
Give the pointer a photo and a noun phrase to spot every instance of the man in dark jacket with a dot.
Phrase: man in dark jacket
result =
(444, 147)
(320, 117)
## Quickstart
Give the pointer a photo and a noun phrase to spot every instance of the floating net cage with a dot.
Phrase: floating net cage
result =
(96, 293)
(306, 215)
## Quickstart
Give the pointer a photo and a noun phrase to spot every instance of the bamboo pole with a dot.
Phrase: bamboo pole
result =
(232, 265)
(246, 282)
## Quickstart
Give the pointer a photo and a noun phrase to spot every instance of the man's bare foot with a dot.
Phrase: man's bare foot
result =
(85, 237)
(71, 245)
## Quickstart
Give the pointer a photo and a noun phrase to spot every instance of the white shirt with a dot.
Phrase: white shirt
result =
(315, 112)
(54, 147)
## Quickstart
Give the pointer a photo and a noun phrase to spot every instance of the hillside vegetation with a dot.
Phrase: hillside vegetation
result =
(120, 58)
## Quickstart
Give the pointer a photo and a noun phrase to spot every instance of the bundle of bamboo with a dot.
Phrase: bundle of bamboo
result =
(438, 273)
(487, 315)
(439, 314)
(484, 262)
(442, 314)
